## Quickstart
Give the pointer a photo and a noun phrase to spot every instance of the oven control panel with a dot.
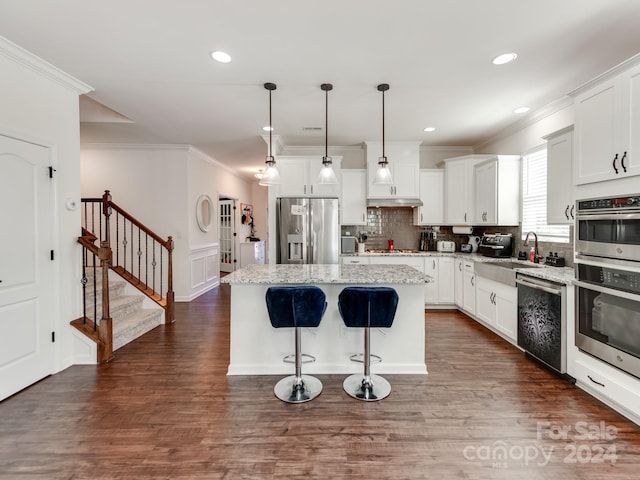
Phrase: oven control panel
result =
(610, 277)
(632, 201)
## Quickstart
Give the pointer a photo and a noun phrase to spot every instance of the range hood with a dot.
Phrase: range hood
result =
(394, 202)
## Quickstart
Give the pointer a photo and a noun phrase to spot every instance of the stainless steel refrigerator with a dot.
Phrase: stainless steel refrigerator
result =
(308, 230)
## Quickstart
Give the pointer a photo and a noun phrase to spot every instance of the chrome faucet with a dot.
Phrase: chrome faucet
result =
(535, 245)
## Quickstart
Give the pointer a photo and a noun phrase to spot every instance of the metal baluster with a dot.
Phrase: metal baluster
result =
(117, 238)
(95, 295)
(139, 256)
(161, 272)
(146, 259)
(124, 244)
(153, 264)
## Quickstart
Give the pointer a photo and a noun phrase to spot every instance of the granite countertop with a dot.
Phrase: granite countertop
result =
(564, 275)
(319, 274)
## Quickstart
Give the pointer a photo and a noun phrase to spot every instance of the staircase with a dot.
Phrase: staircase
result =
(125, 268)
(130, 319)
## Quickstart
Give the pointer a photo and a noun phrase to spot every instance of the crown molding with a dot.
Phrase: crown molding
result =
(30, 61)
(612, 72)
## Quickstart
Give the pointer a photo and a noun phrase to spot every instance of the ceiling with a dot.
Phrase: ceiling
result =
(149, 64)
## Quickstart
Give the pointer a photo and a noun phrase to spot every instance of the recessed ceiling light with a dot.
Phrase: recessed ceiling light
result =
(521, 110)
(504, 58)
(221, 57)
(267, 128)
(429, 129)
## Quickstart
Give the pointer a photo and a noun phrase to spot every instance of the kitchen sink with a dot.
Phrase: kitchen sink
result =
(503, 272)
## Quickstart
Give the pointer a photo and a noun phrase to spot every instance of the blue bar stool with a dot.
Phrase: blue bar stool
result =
(367, 307)
(296, 307)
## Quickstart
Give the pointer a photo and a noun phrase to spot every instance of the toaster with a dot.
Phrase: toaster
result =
(445, 246)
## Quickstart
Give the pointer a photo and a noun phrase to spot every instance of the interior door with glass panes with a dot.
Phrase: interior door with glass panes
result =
(227, 213)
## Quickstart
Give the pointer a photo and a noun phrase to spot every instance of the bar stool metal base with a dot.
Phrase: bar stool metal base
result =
(294, 389)
(373, 390)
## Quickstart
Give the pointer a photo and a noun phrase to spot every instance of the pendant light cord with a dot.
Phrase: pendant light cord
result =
(383, 155)
(270, 127)
(326, 123)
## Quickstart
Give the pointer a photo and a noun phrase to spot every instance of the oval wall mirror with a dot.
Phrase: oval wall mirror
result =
(204, 210)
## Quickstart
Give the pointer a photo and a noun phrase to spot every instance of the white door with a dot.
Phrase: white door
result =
(26, 269)
(227, 213)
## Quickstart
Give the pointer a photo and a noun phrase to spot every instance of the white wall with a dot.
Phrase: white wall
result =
(160, 185)
(39, 103)
(530, 135)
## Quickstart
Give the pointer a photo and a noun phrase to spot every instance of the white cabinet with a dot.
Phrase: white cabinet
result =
(607, 129)
(459, 189)
(440, 291)
(353, 205)
(497, 191)
(469, 287)
(404, 164)
(432, 196)
(431, 289)
(497, 306)
(354, 260)
(252, 253)
(458, 272)
(299, 177)
(560, 207)
(446, 280)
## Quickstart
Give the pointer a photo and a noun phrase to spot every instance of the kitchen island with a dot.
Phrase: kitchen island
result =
(256, 348)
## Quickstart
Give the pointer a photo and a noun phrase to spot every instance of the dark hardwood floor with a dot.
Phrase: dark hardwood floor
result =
(165, 409)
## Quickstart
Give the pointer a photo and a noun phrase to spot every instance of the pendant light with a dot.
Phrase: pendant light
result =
(383, 174)
(270, 176)
(326, 176)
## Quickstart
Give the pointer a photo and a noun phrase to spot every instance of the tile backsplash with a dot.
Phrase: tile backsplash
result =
(396, 223)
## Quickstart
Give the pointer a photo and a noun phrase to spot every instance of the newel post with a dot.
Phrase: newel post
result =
(105, 328)
(170, 316)
(106, 212)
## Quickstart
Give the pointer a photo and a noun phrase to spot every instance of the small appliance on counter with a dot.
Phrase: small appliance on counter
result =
(496, 245)
(348, 244)
(428, 241)
(474, 242)
(446, 246)
(553, 260)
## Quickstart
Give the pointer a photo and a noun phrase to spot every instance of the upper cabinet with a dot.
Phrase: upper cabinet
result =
(560, 207)
(432, 195)
(404, 164)
(607, 129)
(353, 204)
(299, 177)
(459, 189)
(497, 191)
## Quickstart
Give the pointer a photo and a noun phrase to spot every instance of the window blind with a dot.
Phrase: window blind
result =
(534, 199)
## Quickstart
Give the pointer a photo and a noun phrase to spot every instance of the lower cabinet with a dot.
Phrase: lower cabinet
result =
(441, 290)
(354, 260)
(497, 306)
(458, 288)
(468, 287)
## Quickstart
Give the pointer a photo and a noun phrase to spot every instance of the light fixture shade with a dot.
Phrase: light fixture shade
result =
(270, 176)
(383, 174)
(327, 176)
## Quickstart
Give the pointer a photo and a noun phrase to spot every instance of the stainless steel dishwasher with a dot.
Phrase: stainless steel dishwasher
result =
(542, 321)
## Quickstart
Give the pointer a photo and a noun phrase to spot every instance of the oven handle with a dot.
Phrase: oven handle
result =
(545, 288)
(609, 216)
(610, 291)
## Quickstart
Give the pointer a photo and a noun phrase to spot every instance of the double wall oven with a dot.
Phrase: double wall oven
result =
(608, 280)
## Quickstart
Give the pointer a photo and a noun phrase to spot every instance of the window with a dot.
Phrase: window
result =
(534, 199)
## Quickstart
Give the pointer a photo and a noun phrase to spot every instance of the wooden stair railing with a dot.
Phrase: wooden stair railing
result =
(101, 332)
(139, 255)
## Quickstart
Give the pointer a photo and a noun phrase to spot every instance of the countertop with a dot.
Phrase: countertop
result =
(564, 275)
(319, 274)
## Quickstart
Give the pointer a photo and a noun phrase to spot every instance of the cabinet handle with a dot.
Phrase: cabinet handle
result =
(624, 168)
(614, 163)
(421, 217)
(572, 208)
(363, 217)
(465, 217)
(434, 264)
(460, 266)
(595, 381)
(311, 189)
(472, 282)
(305, 189)
(566, 212)
(491, 298)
